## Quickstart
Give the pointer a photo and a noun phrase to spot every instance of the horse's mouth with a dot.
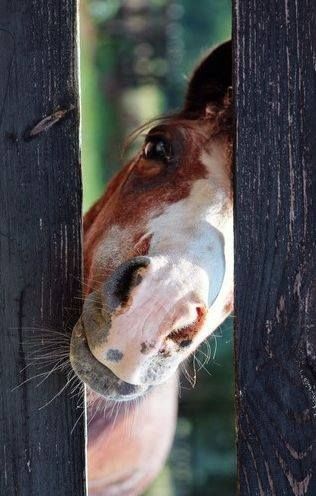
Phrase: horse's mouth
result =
(96, 375)
(117, 359)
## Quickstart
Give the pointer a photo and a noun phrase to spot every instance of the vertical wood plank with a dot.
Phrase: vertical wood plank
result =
(40, 245)
(275, 104)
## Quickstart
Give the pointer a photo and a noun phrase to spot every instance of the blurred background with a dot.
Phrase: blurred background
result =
(136, 58)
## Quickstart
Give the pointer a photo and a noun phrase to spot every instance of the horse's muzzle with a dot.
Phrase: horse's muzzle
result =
(96, 375)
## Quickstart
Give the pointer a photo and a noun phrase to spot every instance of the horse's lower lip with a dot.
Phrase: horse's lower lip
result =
(96, 375)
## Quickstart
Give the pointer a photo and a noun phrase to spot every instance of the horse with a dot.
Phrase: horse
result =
(158, 253)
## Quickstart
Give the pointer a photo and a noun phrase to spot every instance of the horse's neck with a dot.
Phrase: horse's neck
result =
(123, 439)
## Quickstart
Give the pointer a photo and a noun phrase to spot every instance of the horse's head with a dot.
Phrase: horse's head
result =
(159, 246)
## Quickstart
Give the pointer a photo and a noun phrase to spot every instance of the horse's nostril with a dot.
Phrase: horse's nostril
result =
(183, 337)
(118, 287)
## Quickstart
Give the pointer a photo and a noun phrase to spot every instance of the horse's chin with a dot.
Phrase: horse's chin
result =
(96, 375)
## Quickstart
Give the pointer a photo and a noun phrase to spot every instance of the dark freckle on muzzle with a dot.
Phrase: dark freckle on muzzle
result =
(146, 347)
(114, 355)
(185, 343)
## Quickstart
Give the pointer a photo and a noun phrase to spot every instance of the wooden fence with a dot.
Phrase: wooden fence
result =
(40, 244)
(275, 103)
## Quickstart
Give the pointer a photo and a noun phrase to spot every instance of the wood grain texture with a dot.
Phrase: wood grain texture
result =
(275, 152)
(40, 244)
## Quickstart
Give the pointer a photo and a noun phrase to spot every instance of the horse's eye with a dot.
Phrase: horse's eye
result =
(158, 150)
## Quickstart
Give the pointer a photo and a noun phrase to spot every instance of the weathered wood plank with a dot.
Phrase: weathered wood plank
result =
(40, 244)
(275, 95)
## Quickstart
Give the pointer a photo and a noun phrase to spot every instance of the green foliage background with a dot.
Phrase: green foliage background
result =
(136, 57)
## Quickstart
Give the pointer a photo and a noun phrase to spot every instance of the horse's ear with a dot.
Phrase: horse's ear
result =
(210, 81)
